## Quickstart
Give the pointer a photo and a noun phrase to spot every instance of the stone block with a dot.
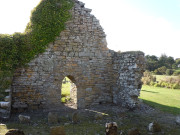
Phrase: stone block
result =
(15, 132)
(53, 118)
(154, 127)
(8, 90)
(111, 128)
(24, 119)
(178, 120)
(4, 104)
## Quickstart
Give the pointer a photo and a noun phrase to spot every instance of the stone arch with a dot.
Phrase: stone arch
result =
(77, 77)
(71, 78)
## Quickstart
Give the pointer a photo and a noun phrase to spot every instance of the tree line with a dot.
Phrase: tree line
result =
(163, 65)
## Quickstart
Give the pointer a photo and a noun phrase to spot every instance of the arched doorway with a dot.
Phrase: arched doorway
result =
(69, 92)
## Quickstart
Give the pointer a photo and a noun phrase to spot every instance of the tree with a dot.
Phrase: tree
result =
(159, 65)
(163, 60)
(166, 61)
(152, 62)
(169, 71)
(160, 71)
(170, 61)
(178, 61)
(174, 66)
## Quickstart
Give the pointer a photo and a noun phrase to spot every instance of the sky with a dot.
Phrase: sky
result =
(151, 26)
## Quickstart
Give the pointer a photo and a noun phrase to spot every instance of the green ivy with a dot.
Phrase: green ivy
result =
(46, 22)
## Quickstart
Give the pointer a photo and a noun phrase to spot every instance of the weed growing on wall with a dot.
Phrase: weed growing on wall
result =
(47, 21)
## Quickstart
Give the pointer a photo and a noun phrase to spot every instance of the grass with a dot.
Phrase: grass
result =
(167, 100)
(164, 99)
(41, 128)
(162, 77)
(88, 125)
(3, 129)
(178, 69)
(65, 90)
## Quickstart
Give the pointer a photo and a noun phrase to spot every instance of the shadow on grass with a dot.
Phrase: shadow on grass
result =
(149, 91)
(164, 108)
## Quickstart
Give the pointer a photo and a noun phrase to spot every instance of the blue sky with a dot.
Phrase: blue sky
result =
(151, 26)
(169, 9)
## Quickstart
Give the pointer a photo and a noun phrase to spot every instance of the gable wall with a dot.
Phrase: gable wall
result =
(101, 75)
(80, 51)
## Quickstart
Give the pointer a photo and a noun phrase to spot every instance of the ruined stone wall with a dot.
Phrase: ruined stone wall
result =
(129, 68)
(79, 52)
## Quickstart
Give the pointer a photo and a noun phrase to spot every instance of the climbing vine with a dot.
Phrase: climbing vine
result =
(46, 22)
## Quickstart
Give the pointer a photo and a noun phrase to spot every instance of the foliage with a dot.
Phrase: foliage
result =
(172, 79)
(162, 65)
(65, 90)
(166, 61)
(178, 61)
(167, 82)
(169, 72)
(47, 21)
(152, 62)
(148, 78)
(160, 71)
(176, 73)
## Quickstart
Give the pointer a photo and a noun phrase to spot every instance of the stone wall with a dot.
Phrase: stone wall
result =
(80, 51)
(129, 68)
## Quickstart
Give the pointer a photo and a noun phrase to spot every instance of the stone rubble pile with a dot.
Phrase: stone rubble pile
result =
(5, 106)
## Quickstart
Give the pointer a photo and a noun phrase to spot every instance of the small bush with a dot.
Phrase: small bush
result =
(176, 86)
(157, 85)
(152, 83)
(176, 73)
(166, 82)
(169, 71)
(148, 78)
(160, 71)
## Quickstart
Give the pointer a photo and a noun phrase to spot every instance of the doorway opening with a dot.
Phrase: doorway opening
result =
(69, 92)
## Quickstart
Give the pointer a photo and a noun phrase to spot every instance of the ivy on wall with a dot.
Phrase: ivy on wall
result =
(46, 22)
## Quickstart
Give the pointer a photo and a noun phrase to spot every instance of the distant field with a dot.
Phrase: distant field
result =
(161, 77)
(167, 100)
(65, 90)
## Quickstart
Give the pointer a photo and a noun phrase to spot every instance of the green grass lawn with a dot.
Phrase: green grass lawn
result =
(167, 100)
(65, 90)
